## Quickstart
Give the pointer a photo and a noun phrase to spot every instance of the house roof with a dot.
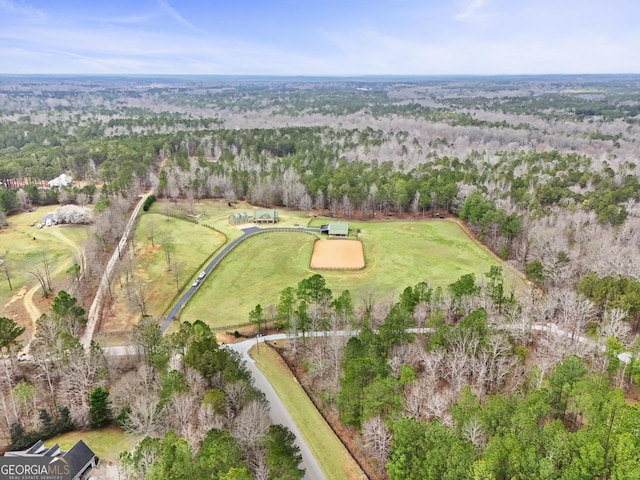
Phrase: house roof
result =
(53, 216)
(78, 457)
(265, 214)
(338, 228)
(36, 447)
(61, 181)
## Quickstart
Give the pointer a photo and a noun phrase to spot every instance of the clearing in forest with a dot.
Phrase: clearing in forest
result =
(398, 255)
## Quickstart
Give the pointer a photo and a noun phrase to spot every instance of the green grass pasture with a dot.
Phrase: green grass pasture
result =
(255, 272)
(216, 213)
(106, 442)
(333, 458)
(397, 255)
(23, 245)
(194, 244)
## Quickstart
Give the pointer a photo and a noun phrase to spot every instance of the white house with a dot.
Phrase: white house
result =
(63, 180)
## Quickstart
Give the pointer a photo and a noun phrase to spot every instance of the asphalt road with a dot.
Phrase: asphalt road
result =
(246, 233)
(277, 411)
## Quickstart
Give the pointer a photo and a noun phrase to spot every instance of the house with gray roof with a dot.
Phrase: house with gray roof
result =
(80, 459)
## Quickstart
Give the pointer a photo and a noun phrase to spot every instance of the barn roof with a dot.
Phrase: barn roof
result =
(265, 214)
(338, 228)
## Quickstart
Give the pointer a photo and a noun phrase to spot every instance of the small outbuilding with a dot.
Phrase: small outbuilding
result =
(265, 216)
(239, 218)
(338, 229)
(49, 219)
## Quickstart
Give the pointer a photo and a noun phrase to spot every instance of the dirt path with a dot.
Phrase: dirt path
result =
(58, 232)
(27, 301)
(95, 311)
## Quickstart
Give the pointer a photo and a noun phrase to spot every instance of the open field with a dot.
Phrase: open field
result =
(255, 272)
(24, 246)
(397, 255)
(192, 246)
(216, 213)
(333, 458)
(106, 442)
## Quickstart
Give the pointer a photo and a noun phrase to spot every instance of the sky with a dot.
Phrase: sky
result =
(319, 37)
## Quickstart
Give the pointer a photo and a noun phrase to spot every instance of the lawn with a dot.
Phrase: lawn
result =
(23, 245)
(106, 443)
(333, 458)
(397, 255)
(255, 272)
(216, 213)
(193, 245)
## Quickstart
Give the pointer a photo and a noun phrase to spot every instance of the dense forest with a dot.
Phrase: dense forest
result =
(543, 170)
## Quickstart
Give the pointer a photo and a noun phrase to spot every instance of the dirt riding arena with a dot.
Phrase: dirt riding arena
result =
(337, 255)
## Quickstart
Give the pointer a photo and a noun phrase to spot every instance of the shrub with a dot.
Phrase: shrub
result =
(148, 202)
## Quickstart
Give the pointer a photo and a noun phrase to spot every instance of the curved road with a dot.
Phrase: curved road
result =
(277, 411)
(246, 233)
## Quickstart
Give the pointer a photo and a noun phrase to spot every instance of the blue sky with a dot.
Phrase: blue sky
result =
(320, 37)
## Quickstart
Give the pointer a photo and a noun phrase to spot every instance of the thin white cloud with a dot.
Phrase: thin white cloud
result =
(141, 19)
(161, 40)
(173, 13)
(473, 11)
(375, 52)
(22, 9)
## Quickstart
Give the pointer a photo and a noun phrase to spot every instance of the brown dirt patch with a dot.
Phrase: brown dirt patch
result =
(337, 255)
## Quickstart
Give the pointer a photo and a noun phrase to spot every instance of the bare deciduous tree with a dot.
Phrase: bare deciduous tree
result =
(6, 268)
(146, 416)
(377, 441)
(251, 424)
(168, 243)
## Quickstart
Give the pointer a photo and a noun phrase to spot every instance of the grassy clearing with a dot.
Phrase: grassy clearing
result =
(216, 213)
(397, 255)
(193, 245)
(333, 458)
(107, 442)
(255, 272)
(24, 245)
